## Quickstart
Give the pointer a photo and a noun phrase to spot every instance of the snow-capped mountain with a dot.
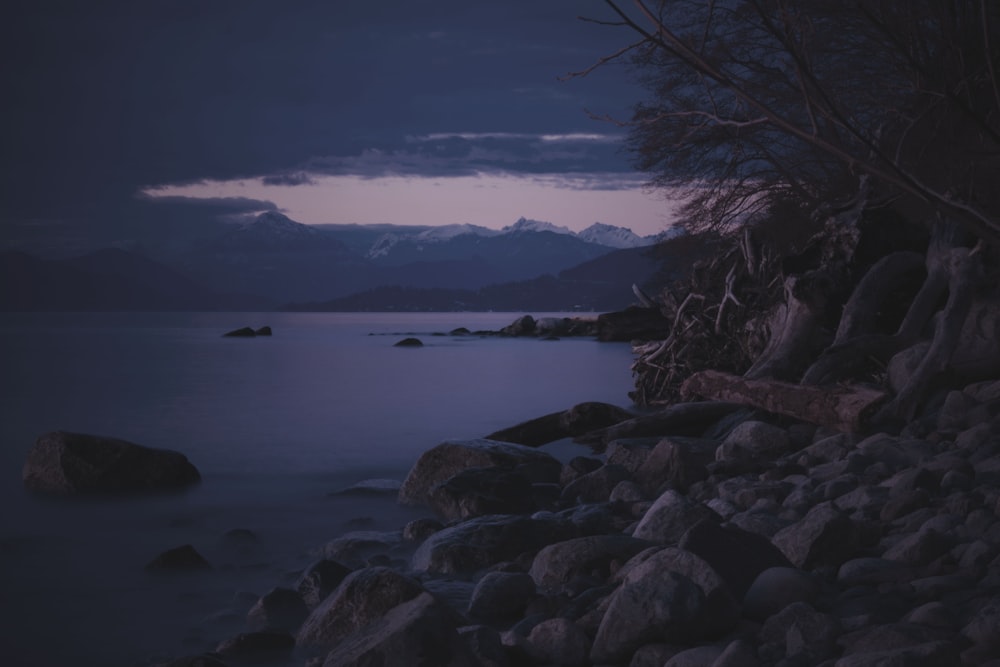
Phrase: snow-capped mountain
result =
(614, 237)
(275, 232)
(384, 244)
(526, 225)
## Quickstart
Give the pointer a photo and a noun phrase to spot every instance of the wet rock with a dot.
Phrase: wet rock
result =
(485, 644)
(577, 467)
(522, 326)
(444, 461)
(478, 491)
(357, 548)
(281, 609)
(262, 331)
(501, 595)
(699, 656)
(319, 580)
(416, 631)
(594, 487)
(409, 342)
(184, 558)
(478, 543)
(559, 564)
(61, 462)
(419, 530)
(242, 332)
(361, 599)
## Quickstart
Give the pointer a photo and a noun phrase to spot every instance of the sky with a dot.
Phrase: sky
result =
(134, 120)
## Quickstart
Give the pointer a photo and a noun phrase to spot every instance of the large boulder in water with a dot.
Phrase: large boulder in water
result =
(70, 463)
(440, 463)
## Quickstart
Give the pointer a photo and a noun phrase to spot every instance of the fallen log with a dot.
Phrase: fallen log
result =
(843, 407)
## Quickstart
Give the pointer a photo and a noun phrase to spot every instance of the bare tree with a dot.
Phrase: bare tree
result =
(755, 103)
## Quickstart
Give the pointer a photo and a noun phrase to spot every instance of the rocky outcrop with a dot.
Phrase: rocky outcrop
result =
(439, 464)
(752, 541)
(71, 463)
(409, 342)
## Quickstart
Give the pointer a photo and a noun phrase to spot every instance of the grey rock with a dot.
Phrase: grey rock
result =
(738, 653)
(596, 486)
(983, 628)
(754, 440)
(419, 530)
(485, 644)
(357, 548)
(442, 462)
(478, 491)
(870, 571)
(362, 598)
(919, 548)
(699, 656)
(823, 536)
(626, 491)
(409, 342)
(319, 580)
(478, 543)
(501, 595)
(630, 453)
(669, 518)
(67, 463)
(799, 632)
(663, 606)
(928, 654)
(559, 564)
(419, 631)
(676, 461)
(559, 641)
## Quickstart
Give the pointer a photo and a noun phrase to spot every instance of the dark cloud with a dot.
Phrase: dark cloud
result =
(105, 98)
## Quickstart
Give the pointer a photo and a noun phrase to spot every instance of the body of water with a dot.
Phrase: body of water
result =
(274, 424)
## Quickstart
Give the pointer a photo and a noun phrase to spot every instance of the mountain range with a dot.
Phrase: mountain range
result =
(272, 261)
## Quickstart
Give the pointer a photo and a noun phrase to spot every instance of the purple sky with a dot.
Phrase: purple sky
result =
(134, 120)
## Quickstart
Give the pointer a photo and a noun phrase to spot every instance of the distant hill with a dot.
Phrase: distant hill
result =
(601, 284)
(109, 279)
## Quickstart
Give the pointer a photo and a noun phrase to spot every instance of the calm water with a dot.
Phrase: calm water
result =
(274, 424)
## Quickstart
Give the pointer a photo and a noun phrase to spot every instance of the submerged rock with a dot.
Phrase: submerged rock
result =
(242, 332)
(184, 558)
(409, 342)
(71, 463)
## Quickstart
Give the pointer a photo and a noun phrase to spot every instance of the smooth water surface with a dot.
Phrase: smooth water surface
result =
(275, 424)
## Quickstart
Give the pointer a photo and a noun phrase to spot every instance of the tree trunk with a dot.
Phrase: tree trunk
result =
(842, 408)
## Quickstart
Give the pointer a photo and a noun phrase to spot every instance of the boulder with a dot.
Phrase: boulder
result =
(522, 326)
(669, 518)
(262, 331)
(737, 555)
(442, 462)
(799, 633)
(242, 332)
(419, 631)
(362, 598)
(408, 342)
(824, 536)
(279, 610)
(561, 563)
(578, 420)
(661, 606)
(319, 580)
(501, 595)
(594, 487)
(754, 440)
(478, 491)
(487, 540)
(184, 558)
(559, 641)
(677, 461)
(69, 463)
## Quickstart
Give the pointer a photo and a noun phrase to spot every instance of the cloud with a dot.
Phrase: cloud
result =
(293, 178)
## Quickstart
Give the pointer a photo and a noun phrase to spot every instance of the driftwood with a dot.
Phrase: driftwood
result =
(845, 408)
(682, 419)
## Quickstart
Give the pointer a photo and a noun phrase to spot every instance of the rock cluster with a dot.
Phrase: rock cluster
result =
(761, 543)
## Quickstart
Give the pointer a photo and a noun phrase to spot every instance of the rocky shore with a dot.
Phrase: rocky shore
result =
(707, 534)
